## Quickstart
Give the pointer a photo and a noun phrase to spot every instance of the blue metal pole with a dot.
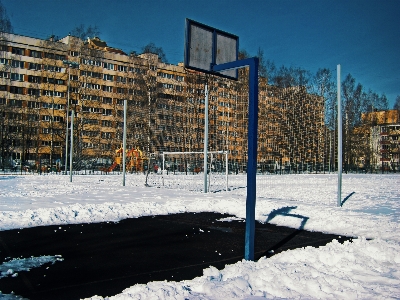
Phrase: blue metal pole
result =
(252, 148)
(252, 161)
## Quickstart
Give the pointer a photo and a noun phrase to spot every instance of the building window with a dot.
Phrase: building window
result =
(34, 92)
(53, 93)
(106, 123)
(107, 88)
(120, 102)
(34, 79)
(90, 97)
(34, 66)
(15, 103)
(92, 86)
(17, 64)
(107, 112)
(18, 51)
(121, 90)
(91, 74)
(33, 117)
(121, 79)
(52, 68)
(35, 54)
(108, 77)
(54, 56)
(108, 66)
(17, 77)
(91, 121)
(92, 109)
(52, 105)
(73, 77)
(89, 145)
(106, 135)
(89, 133)
(90, 62)
(16, 90)
(107, 100)
(58, 119)
(4, 75)
(105, 146)
(74, 53)
(122, 68)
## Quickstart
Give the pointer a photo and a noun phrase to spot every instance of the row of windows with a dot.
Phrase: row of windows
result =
(59, 144)
(51, 93)
(37, 54)
(31, 78)
(53, 130)
(13, 63)
(92, 109)
(111, 66)
(170, 86)
(170, 76)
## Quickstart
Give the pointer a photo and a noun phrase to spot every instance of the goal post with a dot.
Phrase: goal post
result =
(196, 163)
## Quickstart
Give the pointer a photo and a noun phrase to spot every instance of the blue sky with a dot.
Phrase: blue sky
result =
(360, 35)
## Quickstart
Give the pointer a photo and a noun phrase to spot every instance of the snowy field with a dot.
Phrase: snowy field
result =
(367, 268)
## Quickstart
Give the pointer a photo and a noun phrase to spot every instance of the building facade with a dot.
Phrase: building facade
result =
(43, 81)
(382, 133)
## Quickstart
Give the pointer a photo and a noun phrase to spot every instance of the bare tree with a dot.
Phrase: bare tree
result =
(152, 48)
(397, 103)
(83, 32)
(5, 23)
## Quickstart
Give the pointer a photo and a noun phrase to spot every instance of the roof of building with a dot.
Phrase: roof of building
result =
(102, 45)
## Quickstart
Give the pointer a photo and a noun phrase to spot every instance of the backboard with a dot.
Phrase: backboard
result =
(206, 46)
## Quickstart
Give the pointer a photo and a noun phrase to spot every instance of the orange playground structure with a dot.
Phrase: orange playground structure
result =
(135, 159)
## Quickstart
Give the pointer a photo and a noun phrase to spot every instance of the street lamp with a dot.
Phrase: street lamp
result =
(70, 65)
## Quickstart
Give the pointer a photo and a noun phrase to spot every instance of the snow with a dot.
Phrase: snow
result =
(368, 267)
(15, 265)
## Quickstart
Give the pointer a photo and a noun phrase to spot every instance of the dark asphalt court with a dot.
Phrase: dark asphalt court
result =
(105, 258)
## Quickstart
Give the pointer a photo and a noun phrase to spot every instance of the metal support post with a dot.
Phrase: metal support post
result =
(339, 121)
(252, 147)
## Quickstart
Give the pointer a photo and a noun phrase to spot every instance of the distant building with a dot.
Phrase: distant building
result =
(382, 129)
(165, 108)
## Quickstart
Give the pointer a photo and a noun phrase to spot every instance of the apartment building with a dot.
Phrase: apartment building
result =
(382, 131)
(43, 81)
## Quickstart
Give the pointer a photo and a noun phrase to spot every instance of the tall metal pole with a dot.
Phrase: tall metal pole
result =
(205, 137)
(252, 148)
(124, 145)
(339, 121)
(66, 131)
(72, 146)
(252, 160)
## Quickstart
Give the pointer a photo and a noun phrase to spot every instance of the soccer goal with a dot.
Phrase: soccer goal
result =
(185, 170)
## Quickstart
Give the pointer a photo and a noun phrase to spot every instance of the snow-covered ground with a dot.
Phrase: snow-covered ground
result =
(369, 267)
